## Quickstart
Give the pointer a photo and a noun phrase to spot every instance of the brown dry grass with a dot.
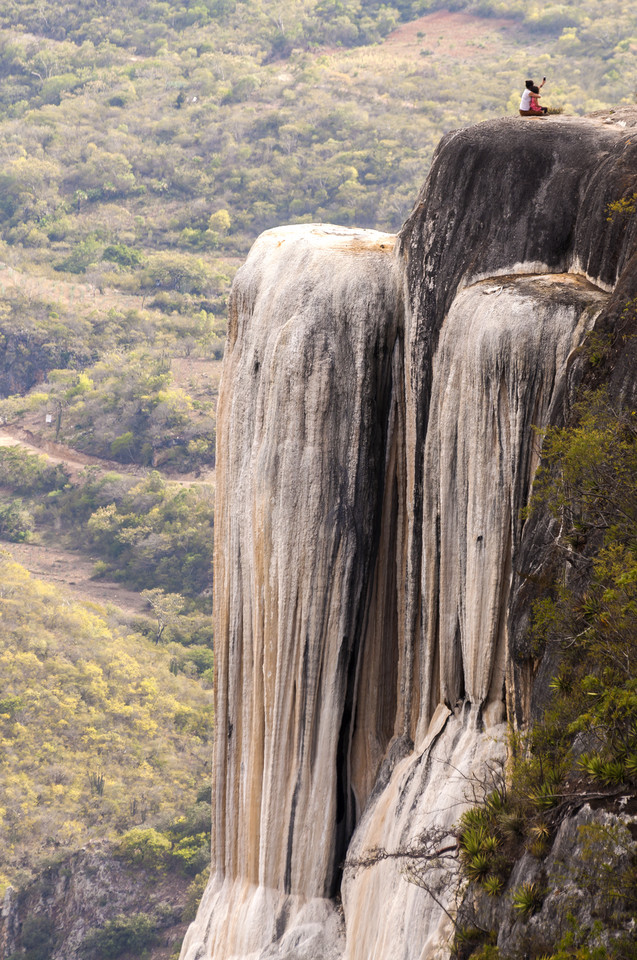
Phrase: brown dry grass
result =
(458, 35)
(74, 571)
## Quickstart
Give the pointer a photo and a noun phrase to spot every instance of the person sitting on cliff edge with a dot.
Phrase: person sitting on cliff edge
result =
(536, 109)
(526, 103)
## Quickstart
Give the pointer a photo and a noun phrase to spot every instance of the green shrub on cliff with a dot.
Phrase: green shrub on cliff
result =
(29, 473)
(589, 480)
(37, 939)
(16, 522)
(584, 747)
(124, 934)
(183, 844)
(143, 845)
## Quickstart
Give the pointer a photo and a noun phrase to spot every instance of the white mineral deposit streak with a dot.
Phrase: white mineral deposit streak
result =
(386, 917)
(313, 667)
(500, 362)
(303, 424)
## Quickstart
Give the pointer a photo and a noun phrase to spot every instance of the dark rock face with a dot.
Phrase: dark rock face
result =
(375, 446)
(502, 194)
(505, 197)
(75, 897)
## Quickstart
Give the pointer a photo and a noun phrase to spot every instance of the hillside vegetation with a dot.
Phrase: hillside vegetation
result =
(583, 748)
(98, 735)
(144, 146)
(191, 127)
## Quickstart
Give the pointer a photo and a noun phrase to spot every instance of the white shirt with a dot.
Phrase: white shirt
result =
(525, 102)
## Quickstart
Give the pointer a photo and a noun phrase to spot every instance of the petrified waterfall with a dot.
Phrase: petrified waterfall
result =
(376, 446)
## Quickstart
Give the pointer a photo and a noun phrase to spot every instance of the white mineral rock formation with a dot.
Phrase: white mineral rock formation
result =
(499, 363)
(376, 444)
(304, 415)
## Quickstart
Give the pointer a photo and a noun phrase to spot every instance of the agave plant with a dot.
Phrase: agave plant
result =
(527, 899)
(474, 817)
(511, 824)
(472, 841)
(592, 765)
(490, 844)
(493, 886)
(538, 842)
(561, 683)
(608, 772)
(495, 802)
(540, 831)
(477, 866)
(544, 796)
(630, 767)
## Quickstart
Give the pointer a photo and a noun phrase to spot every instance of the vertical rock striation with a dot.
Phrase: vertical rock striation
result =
(500, 361)
(306, 413)
(376, 446)
(503, 198)
(496, 373)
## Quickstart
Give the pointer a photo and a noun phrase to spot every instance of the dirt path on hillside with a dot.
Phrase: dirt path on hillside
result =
(52, 562)
(13, 280)
(72, 570)
(67, 568)
(196, 375)
(75, 462)
(57, 453)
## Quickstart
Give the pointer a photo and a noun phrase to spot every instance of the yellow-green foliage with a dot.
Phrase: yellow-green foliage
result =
(588, 620)
(267, 117)
(589, 478)
(626, 206)
(128, 409)
(147, 144)
(144, 845)
(90, 724)
(153, 534)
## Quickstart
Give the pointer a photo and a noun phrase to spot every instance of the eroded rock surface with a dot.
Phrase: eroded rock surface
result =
(306, 417)
(72, 899)
(375, 446)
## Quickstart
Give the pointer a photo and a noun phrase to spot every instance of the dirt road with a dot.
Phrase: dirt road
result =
(64, 567)
(75, 462)
(74, 571)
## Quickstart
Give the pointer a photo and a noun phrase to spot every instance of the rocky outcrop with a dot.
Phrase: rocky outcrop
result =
(375, 447)
(577, 890)
(56, 914)
(313, 352)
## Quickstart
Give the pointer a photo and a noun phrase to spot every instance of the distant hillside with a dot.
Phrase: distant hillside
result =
(98, 736)
(146, 146)
(135, 125)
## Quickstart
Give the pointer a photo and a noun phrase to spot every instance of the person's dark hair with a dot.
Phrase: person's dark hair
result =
(528, 84)
(534, 89)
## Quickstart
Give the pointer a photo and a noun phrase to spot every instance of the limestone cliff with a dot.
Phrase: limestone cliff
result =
(375, 447)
